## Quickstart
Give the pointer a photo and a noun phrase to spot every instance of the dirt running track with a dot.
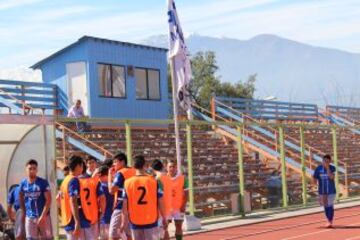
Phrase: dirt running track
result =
(346, 227)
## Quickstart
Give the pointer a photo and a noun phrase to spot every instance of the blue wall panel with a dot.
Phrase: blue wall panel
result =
(129, 107)
(94, 51)
(54, 71)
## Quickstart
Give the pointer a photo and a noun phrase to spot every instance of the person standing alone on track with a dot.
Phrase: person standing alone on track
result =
(325, 175)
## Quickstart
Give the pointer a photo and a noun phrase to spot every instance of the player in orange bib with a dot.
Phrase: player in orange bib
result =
(116, 179)
(91, 165)
(143, 200)
(165, 183)
(75, 214)
(179, 198)
(95, 199)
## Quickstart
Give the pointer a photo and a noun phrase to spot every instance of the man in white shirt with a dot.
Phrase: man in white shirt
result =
(77, 111)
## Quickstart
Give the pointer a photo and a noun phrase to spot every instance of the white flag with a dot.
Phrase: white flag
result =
(179, 53)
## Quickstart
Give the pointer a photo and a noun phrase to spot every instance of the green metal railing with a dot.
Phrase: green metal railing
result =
(241, 170)
(283, 168)
(303, 167)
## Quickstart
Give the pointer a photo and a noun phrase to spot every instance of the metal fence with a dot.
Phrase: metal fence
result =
(28, 97)
(228, 173)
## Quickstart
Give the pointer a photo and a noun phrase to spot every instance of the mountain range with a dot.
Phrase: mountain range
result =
(286, 70)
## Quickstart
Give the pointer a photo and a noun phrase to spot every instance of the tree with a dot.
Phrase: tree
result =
(206, 83)
(239, 89)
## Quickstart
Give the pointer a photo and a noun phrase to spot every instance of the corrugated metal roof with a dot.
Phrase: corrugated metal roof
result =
(85, 38)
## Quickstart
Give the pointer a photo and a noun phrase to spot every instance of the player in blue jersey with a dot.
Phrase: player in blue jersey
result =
(35, 201)
(103, 172)
(325, 175)
(118, 173)
(14, 211)
(75, 223)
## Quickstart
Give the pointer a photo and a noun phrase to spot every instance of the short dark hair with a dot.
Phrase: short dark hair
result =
(75, 161)
(31, 162)
(171, 161)
(139, 162)
(84, 167)
(327, 157)
(108, 163)
(89, 158)
(104, 171)
(120, 157)
(66, 169)
(157, 165)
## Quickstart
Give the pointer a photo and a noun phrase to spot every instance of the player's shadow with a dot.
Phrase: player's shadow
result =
(346, 227)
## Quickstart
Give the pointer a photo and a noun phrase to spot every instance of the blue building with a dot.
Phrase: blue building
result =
(113, 79)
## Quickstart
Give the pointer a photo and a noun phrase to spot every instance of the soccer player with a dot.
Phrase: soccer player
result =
(142, 203)
(103, 173)
(17, 216)
(116, 179)
(95, 199)
(179, 188)
(35, 201)
(165, 181)
(74, 208)
(91, 165)
(108, 162)
(324, 175)
(66, 172)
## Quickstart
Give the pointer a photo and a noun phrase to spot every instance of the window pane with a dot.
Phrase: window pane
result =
(141, 88)
(118, 74)
(154, 84)
(104, 80)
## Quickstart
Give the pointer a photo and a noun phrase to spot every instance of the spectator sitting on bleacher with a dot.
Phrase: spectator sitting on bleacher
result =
(77, 111)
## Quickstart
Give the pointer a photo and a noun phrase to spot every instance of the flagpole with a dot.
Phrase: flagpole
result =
(176, 120)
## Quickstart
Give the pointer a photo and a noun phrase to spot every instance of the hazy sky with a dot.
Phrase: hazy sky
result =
(32, 29)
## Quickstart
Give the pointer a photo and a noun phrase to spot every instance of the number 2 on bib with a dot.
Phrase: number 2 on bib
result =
(141, 198)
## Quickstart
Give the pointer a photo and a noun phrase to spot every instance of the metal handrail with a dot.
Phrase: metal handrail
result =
(340, 162)
(297, 141)
(275, 130)
(15, 99)
(310, 148)
(105, 151)
(355, 122)
(272, 143)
